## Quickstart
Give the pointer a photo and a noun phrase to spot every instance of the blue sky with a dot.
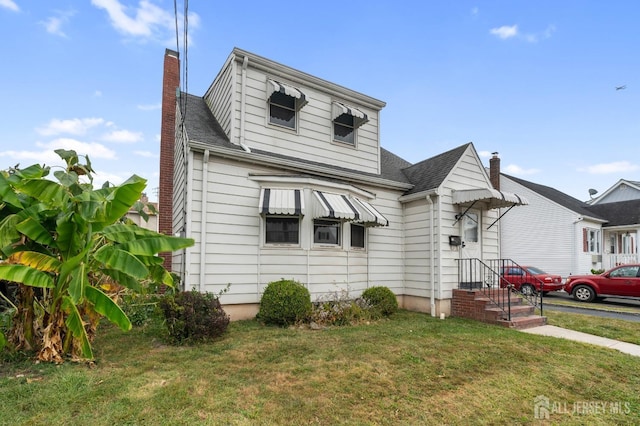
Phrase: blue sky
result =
(533, 80)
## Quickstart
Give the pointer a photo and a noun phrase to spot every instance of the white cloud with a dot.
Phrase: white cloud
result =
(146, 154)
(504, 32)
(75, 126)
(54, 24)
(150, 107)
(97, 93)
(92, 149)
(514, 169)
(614, 167)
(475, 11)
(484, 154)
(9, 4)
(123, 136)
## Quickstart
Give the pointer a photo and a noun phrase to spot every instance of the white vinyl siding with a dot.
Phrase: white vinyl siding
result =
(312, 140)
(219, 98)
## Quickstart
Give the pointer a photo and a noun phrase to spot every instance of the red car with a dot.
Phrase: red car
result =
(620, 281)
(529, 280)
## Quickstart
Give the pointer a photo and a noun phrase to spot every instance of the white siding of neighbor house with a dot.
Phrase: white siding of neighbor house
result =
(623, 192)
(543, 234)
(235, 254)
(313, 138)
(587, 261)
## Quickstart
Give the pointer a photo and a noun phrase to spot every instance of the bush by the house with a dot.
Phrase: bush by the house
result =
(339, 309)
(284, 302)
(597, 271)
(381, 299)
(192, 316)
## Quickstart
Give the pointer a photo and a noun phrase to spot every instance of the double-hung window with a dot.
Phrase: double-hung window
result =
(282, 210)
(358, 233)
(284, 102)
(591, 240)
(282, 230)
(326, 232)
(346, 120)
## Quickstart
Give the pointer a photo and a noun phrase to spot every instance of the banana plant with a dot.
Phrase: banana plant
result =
(66, 245)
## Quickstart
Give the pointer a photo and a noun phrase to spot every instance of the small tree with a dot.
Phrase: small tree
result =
(67, 247)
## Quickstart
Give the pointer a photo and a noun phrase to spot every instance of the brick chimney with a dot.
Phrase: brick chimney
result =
(494, 170)
(170, 85)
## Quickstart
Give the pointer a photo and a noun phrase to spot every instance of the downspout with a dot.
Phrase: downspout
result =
(432, 256)
(243, 102)
(203, 220)
(438, 247)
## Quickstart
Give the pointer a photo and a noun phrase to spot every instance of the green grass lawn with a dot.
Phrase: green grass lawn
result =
(412, 369)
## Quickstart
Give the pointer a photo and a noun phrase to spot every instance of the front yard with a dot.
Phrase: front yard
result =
(412, 369)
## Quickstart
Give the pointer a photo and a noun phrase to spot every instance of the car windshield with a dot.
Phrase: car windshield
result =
(535, 271)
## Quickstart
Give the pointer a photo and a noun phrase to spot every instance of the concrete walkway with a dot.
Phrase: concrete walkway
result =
(552, 330)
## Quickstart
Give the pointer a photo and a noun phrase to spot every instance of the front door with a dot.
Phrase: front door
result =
(471, 232)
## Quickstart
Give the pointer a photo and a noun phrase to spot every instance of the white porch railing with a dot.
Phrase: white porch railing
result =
(622, 259)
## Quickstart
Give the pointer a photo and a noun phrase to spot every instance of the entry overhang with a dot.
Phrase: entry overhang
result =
(493, 198)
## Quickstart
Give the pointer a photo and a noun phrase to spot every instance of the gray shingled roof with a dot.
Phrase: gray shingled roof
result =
(619, 213)
(558, 197)
(430, 173)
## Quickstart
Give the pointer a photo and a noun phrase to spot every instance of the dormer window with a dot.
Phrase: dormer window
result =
(284, 103)
(346, 119)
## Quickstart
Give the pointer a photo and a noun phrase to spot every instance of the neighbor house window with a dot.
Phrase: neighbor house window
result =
(357, 236)
(282, 230)
(282, 110)
(326, 231)
(344, 129)
(591, 240)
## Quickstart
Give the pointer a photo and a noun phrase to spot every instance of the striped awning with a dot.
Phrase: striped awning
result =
(492, 197)
(286, 89)
(281, 201)
(359, 117)
(340, 206)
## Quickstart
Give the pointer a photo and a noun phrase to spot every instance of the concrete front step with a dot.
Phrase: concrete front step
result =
(521, 323)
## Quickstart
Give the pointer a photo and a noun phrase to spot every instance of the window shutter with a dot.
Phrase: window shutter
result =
(585, 240)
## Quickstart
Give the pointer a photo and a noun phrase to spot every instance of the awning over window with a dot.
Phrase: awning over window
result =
(276, 86)
(338, 206)
(359, 117)
(281, 201)
(492, 197)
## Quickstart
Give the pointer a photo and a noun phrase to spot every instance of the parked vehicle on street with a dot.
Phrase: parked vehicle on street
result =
(529, 280)
(622, 281)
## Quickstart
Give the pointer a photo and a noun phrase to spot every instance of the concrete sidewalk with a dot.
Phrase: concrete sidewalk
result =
(552, 330)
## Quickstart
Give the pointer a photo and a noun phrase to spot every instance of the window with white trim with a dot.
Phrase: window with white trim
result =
(282, 230)
(591, 240)
(358, 234)
(326, 232)
(344, 129)
(282, 110)
(470, 227)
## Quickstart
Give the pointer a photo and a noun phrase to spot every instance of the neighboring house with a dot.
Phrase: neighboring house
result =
(563, 235)
(150, 218)
(279, 174)
(623, 190)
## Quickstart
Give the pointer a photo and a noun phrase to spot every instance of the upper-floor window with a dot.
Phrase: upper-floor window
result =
(346, 119)
(285, 102)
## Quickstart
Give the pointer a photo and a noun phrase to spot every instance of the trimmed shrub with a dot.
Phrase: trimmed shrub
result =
(284, 302)
(192, 316)
(381, 299)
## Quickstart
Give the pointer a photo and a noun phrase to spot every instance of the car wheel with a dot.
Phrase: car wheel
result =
(527, 290)
(584, 293)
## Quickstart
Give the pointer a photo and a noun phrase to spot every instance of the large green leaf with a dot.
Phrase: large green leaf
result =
(35, 171)
(124, 196)
(34, 230)
(158, 244)
(122, 233)
(78, 283)
(3, 341)
(104, 305)
(123, 279)
(40, 261)
(7, 194)
(75, 324)
(26, 275)
(160, 275)
(8, 233)
(122, 261)
(69, 238)
(46, 191)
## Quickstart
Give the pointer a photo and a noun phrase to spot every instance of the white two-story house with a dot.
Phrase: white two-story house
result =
(279, 174)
